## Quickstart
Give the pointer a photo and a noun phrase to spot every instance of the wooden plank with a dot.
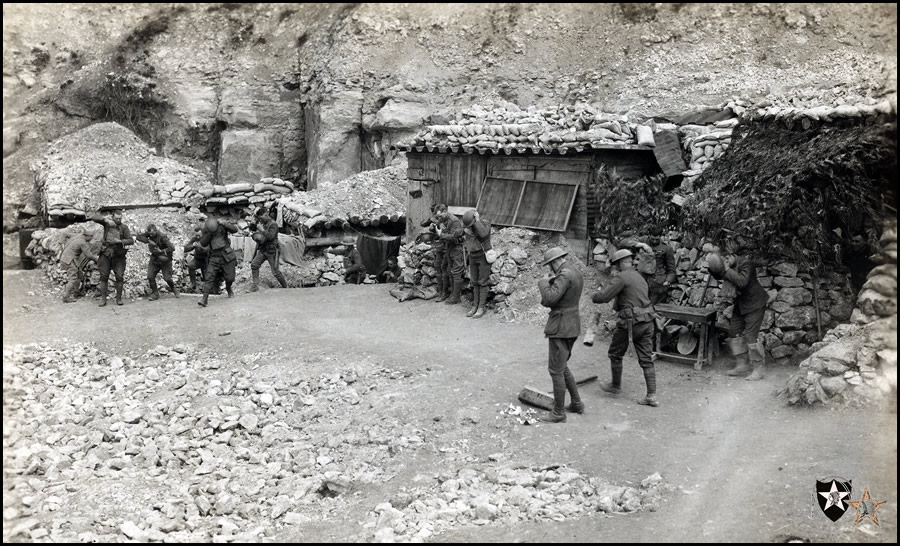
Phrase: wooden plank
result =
(499, 199)
(668, 153)
(686, 313)
(547, 206)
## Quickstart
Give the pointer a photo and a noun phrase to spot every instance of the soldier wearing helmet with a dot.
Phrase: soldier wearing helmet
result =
(451, 235)
(161, 250)
(439, 248)
(749, 308)
(113, 248)
(199, 260)
(635, 321)
(76, 254)
(561, 292)
(222, 260)
(267, 249)
(477, 243)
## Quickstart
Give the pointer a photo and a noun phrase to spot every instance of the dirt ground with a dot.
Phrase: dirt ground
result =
(736, 463)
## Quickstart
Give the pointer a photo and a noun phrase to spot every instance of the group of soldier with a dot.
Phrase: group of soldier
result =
(210, 245)
(632, 293)
(456, 242)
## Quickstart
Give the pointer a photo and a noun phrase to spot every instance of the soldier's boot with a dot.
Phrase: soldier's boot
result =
(576, 406)
(614, 386)
(743, 365)
(119, 287)
(454, 296)
(104, 290)
(589, 337)
(204, 300)
(154, 290)
(228, 289)
(443, 293)
(281, 280)
(650, 379)
(482, 302)
(758, 360)
(254, 281)
(68, 294)
(193, 276)
(173, 289)
(558, 415)
(476, 291)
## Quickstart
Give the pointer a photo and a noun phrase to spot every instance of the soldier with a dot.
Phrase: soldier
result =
(113, 248)
(635, 321)
(478, 242)
(390, 273)
(76, 254)
(440, 252)
(749, 308)
(664, 274)
(561, 292)
(354, 270)
(200, 259)
(222, 260)
(266, 238)
(161, 250)
(451, 235)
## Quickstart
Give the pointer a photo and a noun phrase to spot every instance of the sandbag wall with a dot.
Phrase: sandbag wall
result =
(705, 143)
(266, 191)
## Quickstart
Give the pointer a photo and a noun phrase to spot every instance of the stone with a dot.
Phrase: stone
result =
(335, 152)
(266, 400)
(797, 318)
(834, 367)
(788, 282)
(792, 337)
(785, 269)
(782, 351)
(871, 302)
(518, 255)
(132, 531)
(399, 115)
(833, 385)
(883, 284)
(249, 154)
(794, 297)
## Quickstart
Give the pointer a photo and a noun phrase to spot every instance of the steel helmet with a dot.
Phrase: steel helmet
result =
(553, 253)
(714, 264)
(258, 237)
(621, 253)
(211, 225)
(468, 218)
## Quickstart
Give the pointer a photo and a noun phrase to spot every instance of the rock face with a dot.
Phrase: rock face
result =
(334, 150)
(248, 155)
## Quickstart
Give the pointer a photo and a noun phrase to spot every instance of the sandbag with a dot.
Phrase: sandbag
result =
(645, 136)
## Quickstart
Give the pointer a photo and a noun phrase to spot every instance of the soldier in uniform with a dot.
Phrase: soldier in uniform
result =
(664, 274)
(635, 321)
(200, 259)
(478, 242)
(161, 250)
(113, 248)
(451, 235)
(74, 256)
(440, 252)
(749, 308)
(222, 260)
(354, 269)
(561, 292)
(266, 238)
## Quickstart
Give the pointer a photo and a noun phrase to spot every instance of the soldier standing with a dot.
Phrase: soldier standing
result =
(664, 276)
(749, 308)
(478, 242)
(635, 321)
(222, 260)
(561, 292)
(113, 248)
(161, 250)
(440, 251)
(74, 256)
(266, 238)
(451, 234)
(200, 259)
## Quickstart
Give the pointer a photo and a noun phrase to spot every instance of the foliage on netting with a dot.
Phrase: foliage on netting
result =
(788, 190)
(628, 206)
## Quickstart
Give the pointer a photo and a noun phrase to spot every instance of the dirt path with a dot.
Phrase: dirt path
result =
(738, 465)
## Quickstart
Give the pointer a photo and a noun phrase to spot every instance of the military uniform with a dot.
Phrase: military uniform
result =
(222, 260)
(161, 250)
(267, 250)
(562, 295)
(452, 233)
(354, 270)
(477, 243)
(664, 274)
(746, 319)
(439, 248)
(113, 248)
(76, 254)
(199, 261)
(635, 320)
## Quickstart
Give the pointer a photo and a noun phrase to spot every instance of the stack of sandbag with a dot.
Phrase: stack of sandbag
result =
(706, 143)
(805, 112)
(510, 129)
(266, 191)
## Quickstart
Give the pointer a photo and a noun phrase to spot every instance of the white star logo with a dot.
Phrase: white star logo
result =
(834, 497)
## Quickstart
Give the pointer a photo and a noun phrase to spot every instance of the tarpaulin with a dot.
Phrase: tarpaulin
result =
(291, 247)
(375, 251)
